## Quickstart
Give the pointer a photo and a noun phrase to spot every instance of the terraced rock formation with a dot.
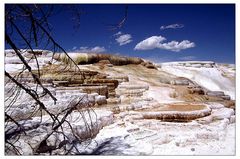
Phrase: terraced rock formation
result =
(140, 108)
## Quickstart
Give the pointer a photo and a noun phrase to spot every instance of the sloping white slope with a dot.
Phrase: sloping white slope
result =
(210, 78)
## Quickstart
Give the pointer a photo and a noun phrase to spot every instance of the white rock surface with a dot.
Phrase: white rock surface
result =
(222, 113)
(162, 94)
(100, 100)
(99, 119)
(214, 135)
(210, 78)
(127, 132)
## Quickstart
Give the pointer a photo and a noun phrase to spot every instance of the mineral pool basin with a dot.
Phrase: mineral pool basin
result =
(182, 107)
(177, 112)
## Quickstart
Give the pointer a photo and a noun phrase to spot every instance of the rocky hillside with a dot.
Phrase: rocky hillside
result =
(142, 108)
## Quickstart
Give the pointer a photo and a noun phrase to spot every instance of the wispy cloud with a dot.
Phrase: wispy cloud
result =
(98, 49)
(188, 58)
(171, 26)
(154, 42)
(160, 59)
(74, 48)
(118, 33)
(123, 39)
(85, 49)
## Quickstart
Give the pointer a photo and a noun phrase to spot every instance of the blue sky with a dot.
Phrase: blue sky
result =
(157, 32)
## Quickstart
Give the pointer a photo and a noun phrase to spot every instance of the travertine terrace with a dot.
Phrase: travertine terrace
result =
(141, 108)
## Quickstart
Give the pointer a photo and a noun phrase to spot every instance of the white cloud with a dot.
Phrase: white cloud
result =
(74, 48)
(118, 33)
(172, 26)
(96, 49)
(157, 42)
(83, 48)
(149, 43)
(124, 39)
(177, 46)
(160, 59)
(187, 58)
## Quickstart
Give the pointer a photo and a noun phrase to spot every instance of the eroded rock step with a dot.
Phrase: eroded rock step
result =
(101, 90)
(219, 94)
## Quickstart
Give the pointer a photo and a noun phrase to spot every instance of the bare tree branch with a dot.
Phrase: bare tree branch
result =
(120, 24)
(36, 32)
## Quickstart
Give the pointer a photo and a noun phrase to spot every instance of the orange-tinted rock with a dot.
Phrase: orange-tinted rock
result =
(178, 112)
